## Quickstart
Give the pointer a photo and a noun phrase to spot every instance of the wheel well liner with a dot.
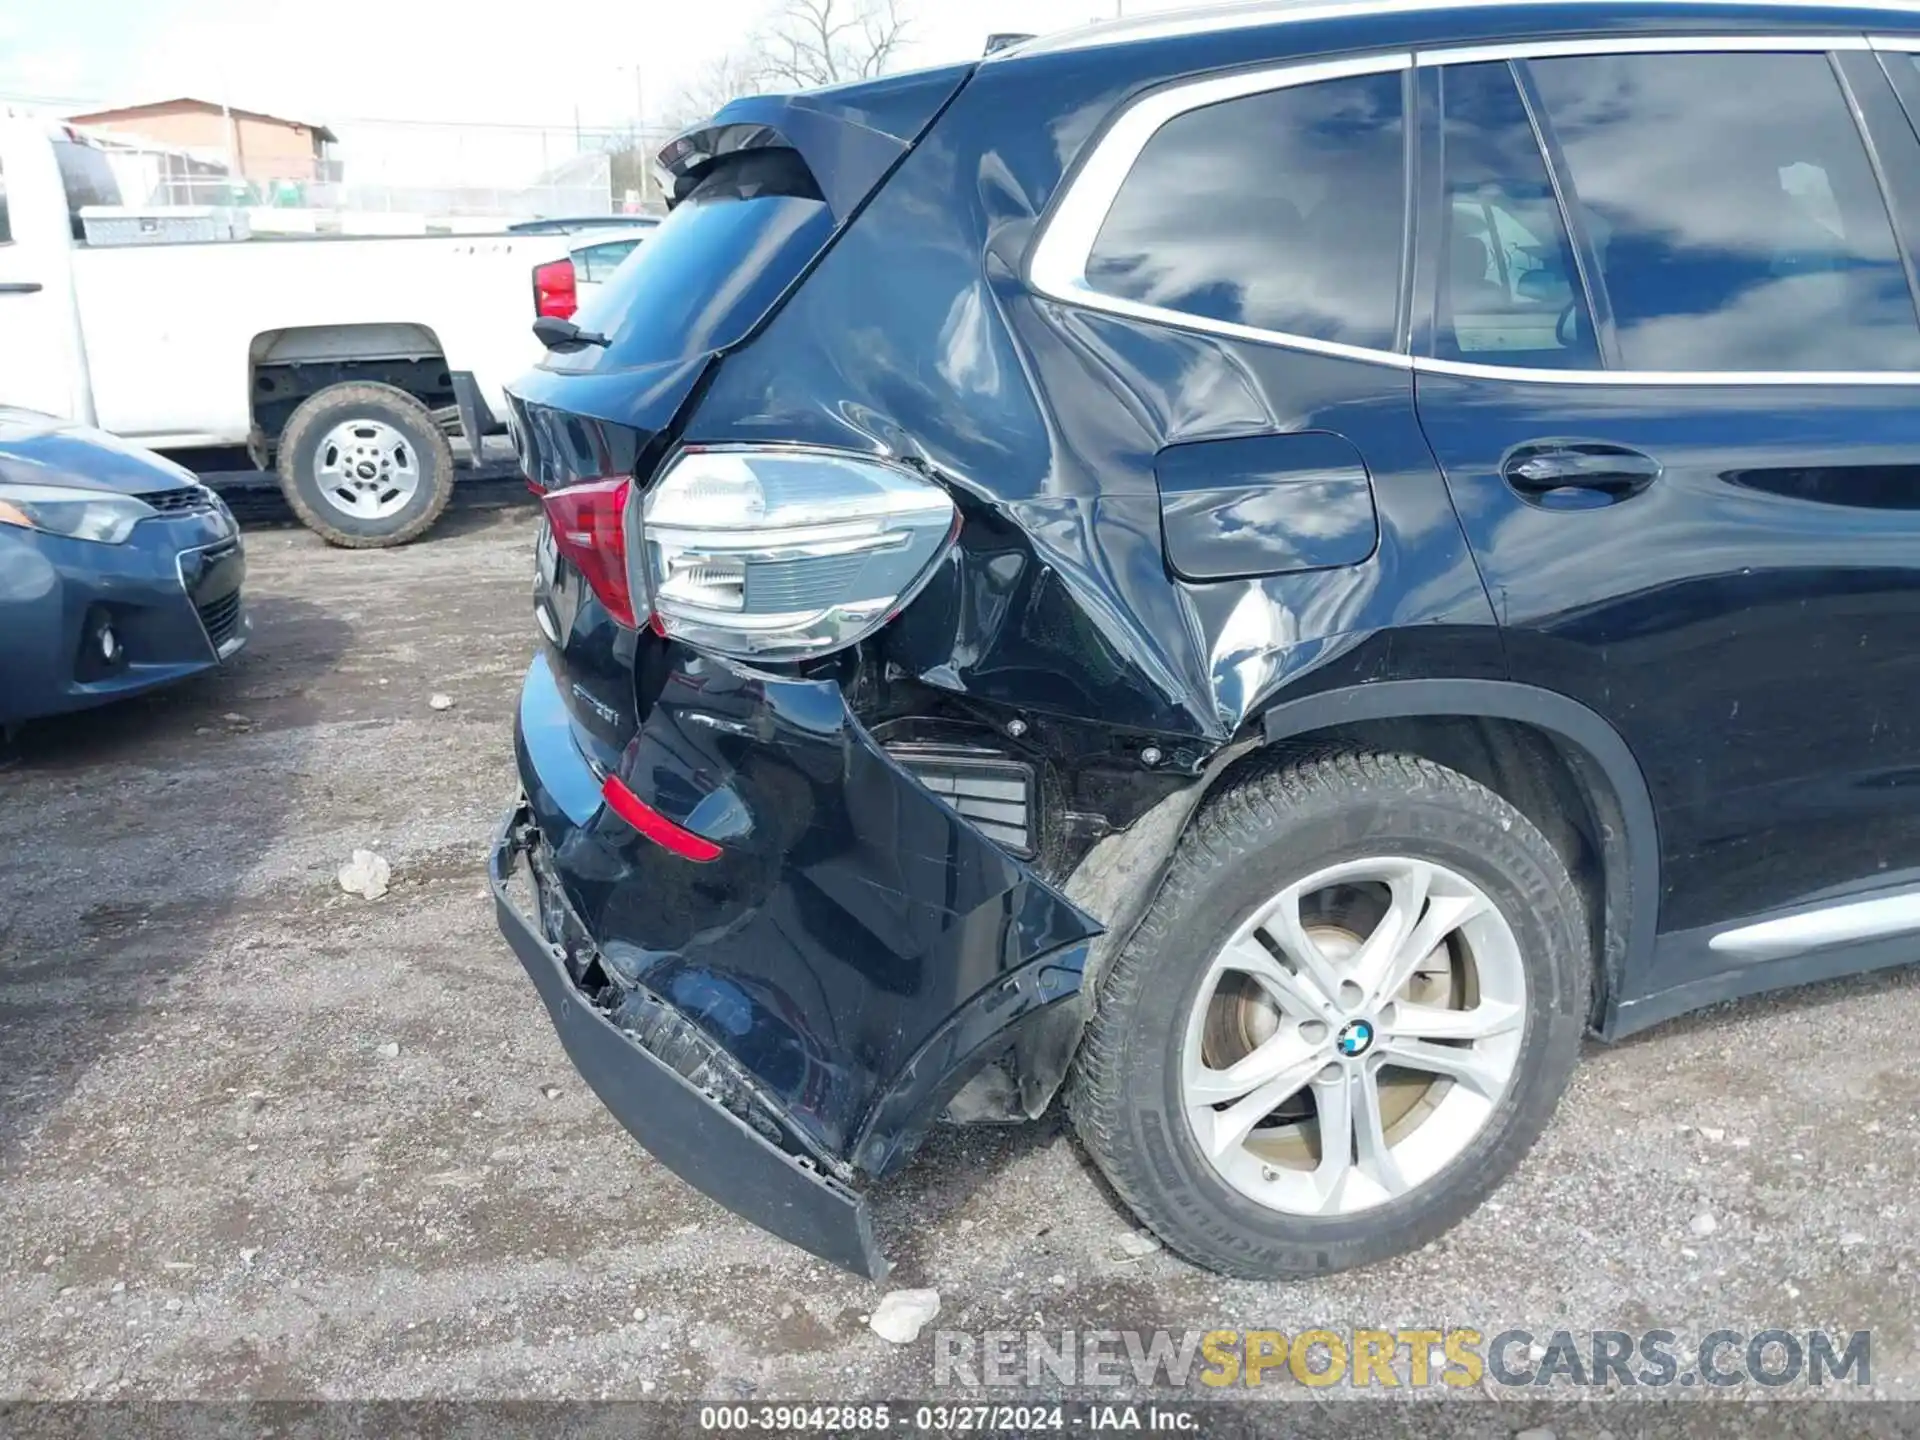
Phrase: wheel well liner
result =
(1601, 762)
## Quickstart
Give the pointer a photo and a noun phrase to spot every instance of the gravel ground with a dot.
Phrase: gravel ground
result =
(220, 1178)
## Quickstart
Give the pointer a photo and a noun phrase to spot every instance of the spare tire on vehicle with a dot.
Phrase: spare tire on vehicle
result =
(365, 465)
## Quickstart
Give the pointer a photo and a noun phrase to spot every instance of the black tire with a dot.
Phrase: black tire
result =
(307, 431)
(1274, 825)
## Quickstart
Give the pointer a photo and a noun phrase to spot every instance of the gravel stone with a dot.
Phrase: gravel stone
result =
(366, 875)
(902, 1314)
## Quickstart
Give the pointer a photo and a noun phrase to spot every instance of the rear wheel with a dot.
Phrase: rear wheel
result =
(365, 465)
(1346, 1017)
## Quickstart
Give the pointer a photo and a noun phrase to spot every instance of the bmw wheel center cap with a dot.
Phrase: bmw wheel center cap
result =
(1355, 1038)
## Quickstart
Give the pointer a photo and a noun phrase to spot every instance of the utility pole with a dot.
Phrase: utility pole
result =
(640, 132)
(229, 127)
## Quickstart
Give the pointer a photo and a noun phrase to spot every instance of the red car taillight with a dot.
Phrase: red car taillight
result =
(554, 292)
(655, 826)
(589, 524)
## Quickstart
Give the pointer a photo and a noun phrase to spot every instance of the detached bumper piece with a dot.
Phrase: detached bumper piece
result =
(700, 1131)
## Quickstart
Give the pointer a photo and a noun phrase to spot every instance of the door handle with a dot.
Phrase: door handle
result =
(19, 287)
(1578, 474)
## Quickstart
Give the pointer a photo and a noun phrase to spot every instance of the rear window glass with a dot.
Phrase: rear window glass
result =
(1508, 292)
(1282, 211)
(87, 178)
(1735, 213)
(597, 263)
(709, 273)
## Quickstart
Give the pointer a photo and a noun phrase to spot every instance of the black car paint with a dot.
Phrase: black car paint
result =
(673, 1117)
(1265, 505)
(176, 571)
(1064, 627)
(851, 921)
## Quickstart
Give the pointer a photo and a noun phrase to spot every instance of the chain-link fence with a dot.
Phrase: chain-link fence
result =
(404, 176)
(583, 186)
(523, 172)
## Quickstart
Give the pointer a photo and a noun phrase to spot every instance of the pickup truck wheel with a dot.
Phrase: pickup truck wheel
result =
(365, 465)
(1345, 1018)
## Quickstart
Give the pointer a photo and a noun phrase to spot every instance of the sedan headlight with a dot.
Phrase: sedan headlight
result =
(72, 512)
(783, 554)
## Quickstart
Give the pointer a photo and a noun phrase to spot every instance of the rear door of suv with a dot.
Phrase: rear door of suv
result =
(1669, 362)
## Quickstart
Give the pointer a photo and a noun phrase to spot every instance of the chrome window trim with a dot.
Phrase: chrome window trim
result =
(1641, 45)
(1219, 19)
(1665, 377)
(1895, 44)
(1134, 309)
(1057, 267)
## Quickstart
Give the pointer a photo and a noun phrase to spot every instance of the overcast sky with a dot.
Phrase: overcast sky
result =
(509, 61)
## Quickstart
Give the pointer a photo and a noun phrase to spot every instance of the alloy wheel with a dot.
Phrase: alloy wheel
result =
(1353, 1036)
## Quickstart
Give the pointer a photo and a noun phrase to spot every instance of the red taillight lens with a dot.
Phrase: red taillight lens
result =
(553, 290)
(655, 826)
(589, 525)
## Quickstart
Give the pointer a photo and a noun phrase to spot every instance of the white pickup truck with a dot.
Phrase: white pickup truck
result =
(345, 363)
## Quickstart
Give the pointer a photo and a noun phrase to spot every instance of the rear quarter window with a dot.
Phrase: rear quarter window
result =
(712, 270)
(1283, 211)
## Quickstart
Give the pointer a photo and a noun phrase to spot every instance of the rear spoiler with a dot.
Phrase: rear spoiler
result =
(849, 136)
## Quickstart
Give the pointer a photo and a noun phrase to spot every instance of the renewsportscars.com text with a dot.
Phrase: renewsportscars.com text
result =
(1450, 1357)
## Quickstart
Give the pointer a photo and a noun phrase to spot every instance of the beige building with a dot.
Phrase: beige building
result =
(264, 148)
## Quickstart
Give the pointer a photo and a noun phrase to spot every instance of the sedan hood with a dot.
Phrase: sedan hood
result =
(38, 449)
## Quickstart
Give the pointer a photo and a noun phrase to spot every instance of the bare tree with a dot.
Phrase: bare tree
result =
(736, 73)
(801, 44)
(825, 42)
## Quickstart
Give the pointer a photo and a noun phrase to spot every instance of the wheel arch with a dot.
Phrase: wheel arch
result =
(1619, 822)
(288, 365)
(1119, 879)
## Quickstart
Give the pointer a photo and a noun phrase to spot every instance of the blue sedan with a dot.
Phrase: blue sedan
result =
(119, 571)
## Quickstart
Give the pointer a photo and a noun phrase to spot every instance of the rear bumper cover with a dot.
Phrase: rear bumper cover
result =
(682, 1126)
(782, 1024)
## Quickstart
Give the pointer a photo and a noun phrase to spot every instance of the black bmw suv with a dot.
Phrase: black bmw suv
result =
(1256, 571)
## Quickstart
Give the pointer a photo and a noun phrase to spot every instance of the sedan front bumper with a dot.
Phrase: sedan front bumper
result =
(171, 594)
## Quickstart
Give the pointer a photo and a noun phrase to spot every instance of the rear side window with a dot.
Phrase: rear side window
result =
(6, 220)
(1282, 211)
(1735, 214)
(711, 270)
(87, 178)
(1509, 293)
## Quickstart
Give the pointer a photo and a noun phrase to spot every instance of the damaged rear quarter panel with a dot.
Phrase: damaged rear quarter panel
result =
(917, 337)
